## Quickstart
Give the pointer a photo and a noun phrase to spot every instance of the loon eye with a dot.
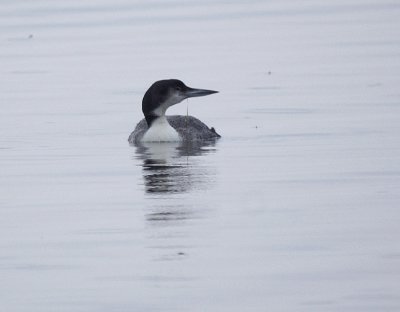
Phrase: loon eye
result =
(178, 88)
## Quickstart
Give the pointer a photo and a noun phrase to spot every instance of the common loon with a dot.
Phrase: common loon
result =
(156, 127)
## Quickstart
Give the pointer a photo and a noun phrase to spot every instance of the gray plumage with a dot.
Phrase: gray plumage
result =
(188, 127)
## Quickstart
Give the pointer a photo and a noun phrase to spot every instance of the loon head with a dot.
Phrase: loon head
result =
(165, 93)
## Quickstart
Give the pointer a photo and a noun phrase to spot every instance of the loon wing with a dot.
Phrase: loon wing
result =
(192, 129)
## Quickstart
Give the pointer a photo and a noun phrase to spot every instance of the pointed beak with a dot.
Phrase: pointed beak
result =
(190, 92)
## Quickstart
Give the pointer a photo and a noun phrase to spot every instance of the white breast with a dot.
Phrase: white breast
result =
(161, 131)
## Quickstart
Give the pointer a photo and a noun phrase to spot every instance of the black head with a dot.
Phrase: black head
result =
(165, 93)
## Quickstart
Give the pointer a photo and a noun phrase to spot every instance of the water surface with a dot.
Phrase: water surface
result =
(294, 209)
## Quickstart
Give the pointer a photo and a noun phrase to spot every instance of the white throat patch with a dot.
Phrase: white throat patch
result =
(173, 98)
(161, 131)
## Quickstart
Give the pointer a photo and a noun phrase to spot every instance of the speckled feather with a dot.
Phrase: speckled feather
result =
(188, 127)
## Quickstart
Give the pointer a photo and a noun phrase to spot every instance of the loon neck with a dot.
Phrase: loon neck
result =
(160, 131)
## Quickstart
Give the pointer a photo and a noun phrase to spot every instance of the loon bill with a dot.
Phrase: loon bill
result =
(156, 127)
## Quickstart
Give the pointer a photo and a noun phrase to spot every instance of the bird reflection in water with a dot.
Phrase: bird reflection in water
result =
(170, 168)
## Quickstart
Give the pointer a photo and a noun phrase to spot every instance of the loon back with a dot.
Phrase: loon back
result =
(189, 129)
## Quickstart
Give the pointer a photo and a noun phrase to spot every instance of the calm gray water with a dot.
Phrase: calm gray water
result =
(296, 208)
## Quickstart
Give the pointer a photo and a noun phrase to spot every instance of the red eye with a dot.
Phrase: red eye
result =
(178, 88)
